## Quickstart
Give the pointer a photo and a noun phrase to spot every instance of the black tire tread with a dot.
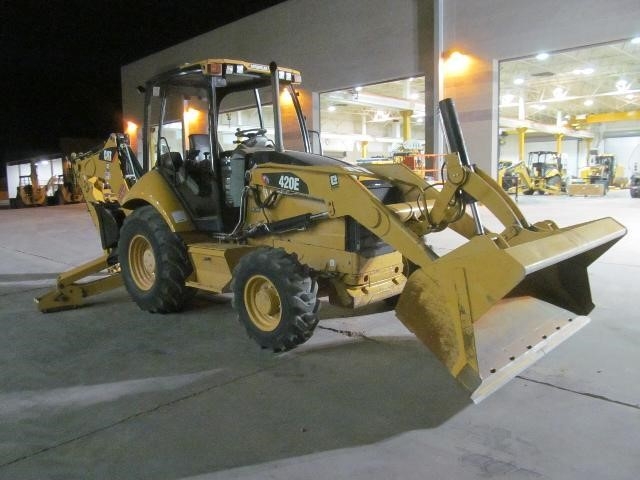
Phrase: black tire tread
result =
(173, 266)
(298, 292)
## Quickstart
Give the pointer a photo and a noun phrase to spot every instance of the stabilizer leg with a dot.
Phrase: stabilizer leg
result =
(69, 294)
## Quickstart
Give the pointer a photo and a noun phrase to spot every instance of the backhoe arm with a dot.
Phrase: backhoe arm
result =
(105, 175)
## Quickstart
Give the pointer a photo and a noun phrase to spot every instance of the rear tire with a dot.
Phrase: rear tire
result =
(555, 183)
(154, 262)
(275, 298)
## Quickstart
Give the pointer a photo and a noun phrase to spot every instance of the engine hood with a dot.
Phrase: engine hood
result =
(291, 157)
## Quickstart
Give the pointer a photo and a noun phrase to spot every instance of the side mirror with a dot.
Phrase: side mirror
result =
(316, 143)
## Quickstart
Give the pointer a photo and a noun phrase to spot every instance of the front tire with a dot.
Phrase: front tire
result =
(275, 298)
(154, 262)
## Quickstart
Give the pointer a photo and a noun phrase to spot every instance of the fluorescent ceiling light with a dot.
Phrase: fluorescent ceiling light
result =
(622, 85)
(559, 92)
(583, 71)
(542, 56)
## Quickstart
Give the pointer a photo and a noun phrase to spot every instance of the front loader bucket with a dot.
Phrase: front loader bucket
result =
(488, 310)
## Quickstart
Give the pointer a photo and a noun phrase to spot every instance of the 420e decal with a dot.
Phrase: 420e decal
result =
(286, 181)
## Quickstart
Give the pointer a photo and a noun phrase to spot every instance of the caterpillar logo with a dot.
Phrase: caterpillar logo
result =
(107, 154)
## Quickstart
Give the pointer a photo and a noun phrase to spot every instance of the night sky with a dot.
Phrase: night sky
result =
(61, 61)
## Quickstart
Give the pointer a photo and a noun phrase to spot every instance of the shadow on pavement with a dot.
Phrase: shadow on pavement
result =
(110, 390)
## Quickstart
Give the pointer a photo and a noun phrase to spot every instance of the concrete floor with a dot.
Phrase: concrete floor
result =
(109, 392)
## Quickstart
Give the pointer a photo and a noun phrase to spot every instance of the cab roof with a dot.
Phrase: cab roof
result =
(224, 67)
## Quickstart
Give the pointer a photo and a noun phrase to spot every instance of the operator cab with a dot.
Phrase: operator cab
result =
(203, 124)
(542, 163)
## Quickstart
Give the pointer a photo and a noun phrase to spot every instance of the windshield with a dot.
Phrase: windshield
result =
(252, 111)
(182, 120)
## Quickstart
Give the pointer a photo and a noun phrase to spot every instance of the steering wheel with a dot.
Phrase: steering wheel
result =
(249, 133)
(253, 138)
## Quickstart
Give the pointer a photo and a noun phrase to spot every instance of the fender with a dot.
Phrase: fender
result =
(152, 189)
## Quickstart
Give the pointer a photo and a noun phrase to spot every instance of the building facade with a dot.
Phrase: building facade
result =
(347, 43)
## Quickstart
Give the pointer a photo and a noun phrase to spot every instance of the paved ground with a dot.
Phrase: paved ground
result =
(109, 392)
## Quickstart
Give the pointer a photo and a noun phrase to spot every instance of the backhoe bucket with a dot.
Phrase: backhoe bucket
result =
(488, 310)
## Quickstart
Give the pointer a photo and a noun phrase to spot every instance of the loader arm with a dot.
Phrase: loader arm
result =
(346, 196)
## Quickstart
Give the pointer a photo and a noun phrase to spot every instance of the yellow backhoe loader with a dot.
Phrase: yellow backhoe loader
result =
(222, 206)
(541, 174)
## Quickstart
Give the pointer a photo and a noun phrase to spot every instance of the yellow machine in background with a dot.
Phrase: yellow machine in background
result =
(603, 169)
(65, 188)
(542, 174)
(595, 179)
(30, 193)
(224, 207)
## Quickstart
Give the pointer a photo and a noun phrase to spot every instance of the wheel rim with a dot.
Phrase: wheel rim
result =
(142, 262)
(263, 303)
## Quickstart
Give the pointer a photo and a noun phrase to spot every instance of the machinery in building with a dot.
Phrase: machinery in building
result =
(42, 180)
(595, 179)
(507, 180)
(509, 174)
(222, 206)
(603, 169)
(424, 165)
(541, 174)
(600, 170)
(545, 169)
(29, 192)
(64, 188)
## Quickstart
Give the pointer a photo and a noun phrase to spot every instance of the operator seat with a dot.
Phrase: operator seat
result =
(199, 147)
(172, 160)
(171, 163)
